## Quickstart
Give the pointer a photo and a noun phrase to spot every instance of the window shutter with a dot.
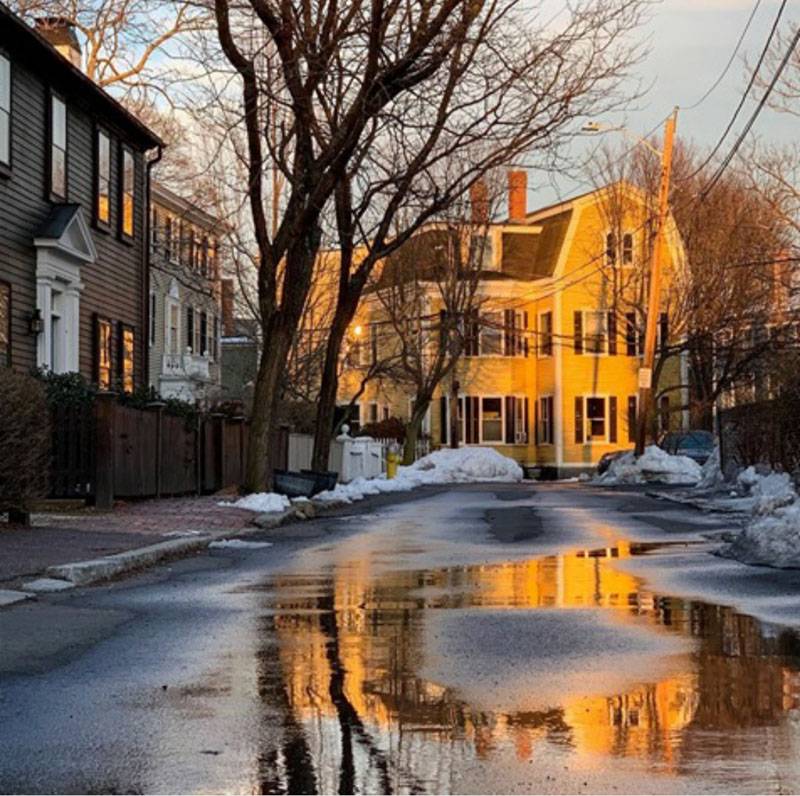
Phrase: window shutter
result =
(468, 420)
(612, 333)
(444, 425)
(612, 418)
(536, 421)
(578, 332)
(472, 420)
(95, 348)
(508, 333)
(632, 418)
(525, 338)
(527, 423)
(510, 419)
(579, 419)
(189, 331)
(630, 334)
(204, 334)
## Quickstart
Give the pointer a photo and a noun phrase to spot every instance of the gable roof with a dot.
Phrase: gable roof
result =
(49, 61)
(65, 229)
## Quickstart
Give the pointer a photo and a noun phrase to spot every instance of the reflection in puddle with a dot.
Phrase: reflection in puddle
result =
(344, 652)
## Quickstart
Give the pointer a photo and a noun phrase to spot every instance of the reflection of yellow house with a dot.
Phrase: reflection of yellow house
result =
(551, 376)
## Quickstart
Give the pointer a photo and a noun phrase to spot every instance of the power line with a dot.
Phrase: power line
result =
(745, 94)
(735, 52)
(751, 121)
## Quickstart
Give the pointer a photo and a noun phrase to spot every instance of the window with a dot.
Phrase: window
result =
(215, 340)
(152, 320)
(190, 330)
(58, 147)
(595, 419)
(385, 412)
(515, 341)
(204, 348)
(492, 334)
(492, 419)
(174, 240)
(546, 334)
(5, 324)
(173, 328)
(611, 249)
(373, 413)
(5, 111)
(155, 229)
(627, 249)
(102, 198)
(633, 339)
(127, 193)
(103, 353)
(126, 348)
(546, 434)
(595, 331)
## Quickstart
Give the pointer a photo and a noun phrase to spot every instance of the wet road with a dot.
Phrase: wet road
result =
(548, 638)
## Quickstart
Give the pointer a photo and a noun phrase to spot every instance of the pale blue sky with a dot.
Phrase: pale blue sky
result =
(690, 42)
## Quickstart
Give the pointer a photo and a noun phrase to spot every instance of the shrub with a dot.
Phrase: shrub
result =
(24, 440)
(391, 428)
(66, 389)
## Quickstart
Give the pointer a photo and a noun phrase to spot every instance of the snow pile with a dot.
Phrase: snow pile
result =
(653, 466)
(262, 502)
(772, 536)
(237, 544)
(448, 466)
(711, 477)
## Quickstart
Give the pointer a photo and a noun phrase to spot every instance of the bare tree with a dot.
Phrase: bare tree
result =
(428, 297)
(375, 99)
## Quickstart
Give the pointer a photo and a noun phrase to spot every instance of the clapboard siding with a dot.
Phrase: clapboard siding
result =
(113, 285)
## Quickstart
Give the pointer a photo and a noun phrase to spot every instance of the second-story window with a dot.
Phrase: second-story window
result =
(58, 148)
(103, 188)
(5, 111)
(127, 194)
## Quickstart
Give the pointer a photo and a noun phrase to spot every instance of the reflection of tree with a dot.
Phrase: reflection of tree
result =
(350, 645)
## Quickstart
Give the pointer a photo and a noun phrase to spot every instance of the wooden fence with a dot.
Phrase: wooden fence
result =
(109, 451)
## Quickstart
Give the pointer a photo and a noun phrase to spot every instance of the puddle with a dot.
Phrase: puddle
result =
(558, 673)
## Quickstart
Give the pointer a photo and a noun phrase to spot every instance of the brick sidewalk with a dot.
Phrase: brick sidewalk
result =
(61, 538)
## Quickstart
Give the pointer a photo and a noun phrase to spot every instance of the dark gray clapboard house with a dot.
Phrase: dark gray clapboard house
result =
(73, 213)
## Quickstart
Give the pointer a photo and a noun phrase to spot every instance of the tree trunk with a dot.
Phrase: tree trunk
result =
(326, 406)
(260, 459)
(413, 428)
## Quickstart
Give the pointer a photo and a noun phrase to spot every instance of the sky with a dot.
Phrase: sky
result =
(690, 42)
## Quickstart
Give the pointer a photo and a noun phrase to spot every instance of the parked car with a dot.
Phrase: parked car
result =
(607, 458)
(697, 445)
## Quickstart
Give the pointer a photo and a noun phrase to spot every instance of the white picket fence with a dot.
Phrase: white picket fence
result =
(351, 457)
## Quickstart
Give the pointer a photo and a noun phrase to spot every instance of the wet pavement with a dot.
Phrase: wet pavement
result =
(547, 638)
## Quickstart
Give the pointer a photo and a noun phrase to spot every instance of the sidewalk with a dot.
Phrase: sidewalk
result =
(62, 538)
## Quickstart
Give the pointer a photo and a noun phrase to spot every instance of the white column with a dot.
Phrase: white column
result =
(44, 295)
(71, 320)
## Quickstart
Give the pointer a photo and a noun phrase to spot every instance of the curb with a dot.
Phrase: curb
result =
(700, 505)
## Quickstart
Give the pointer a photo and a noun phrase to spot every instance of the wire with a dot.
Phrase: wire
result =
(751, 121)
(735, 52)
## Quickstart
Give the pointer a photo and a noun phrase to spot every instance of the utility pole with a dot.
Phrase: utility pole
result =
(654, 298)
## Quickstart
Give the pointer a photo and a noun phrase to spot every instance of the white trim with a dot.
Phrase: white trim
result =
(502, 399)
(606, 418)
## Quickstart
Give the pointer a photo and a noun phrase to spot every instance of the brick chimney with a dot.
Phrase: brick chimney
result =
(479, 203)
(228, 320)
(60, 32)
(517, 195)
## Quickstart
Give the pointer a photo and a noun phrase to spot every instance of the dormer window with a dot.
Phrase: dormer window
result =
(58, 148)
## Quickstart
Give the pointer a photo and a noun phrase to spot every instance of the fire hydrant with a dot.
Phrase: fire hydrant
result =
(392, 460)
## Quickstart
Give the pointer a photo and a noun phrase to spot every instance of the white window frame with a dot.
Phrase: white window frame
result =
(5, 109)
(587, 438)
(539, 316)
(618, 260)
(483, 440)
(551, 420)
(172, 343)
(56, 143)
(604, 315)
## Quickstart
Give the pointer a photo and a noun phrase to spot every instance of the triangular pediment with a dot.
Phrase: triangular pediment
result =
(66, 231)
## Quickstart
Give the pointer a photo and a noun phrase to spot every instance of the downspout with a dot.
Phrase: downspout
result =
(146, 263)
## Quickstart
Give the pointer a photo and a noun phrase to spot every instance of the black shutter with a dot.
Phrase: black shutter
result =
(511, 419)
(189, 330)
(536, 421)
(527, 423)
(631, 418)
(472, 420)
(630, 334)
(443, 410)
(664, 325)
(204, 334)
(612, 333)
(612, 418)
(578, 332)
(525, 339)
(579, 419)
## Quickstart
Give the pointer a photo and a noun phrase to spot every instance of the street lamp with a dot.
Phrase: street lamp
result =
(654, 297)
(599, 127)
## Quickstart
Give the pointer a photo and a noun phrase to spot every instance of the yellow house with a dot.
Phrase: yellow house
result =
(551, 379)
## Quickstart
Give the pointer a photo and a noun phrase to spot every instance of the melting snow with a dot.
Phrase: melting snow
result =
(262, 502)
(238, 544)
(653, 466)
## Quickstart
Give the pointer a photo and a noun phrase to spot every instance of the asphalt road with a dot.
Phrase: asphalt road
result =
(531, 638)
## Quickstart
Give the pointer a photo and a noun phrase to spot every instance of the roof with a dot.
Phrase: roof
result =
(48, 60)
(57, 221)
(163, 196)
